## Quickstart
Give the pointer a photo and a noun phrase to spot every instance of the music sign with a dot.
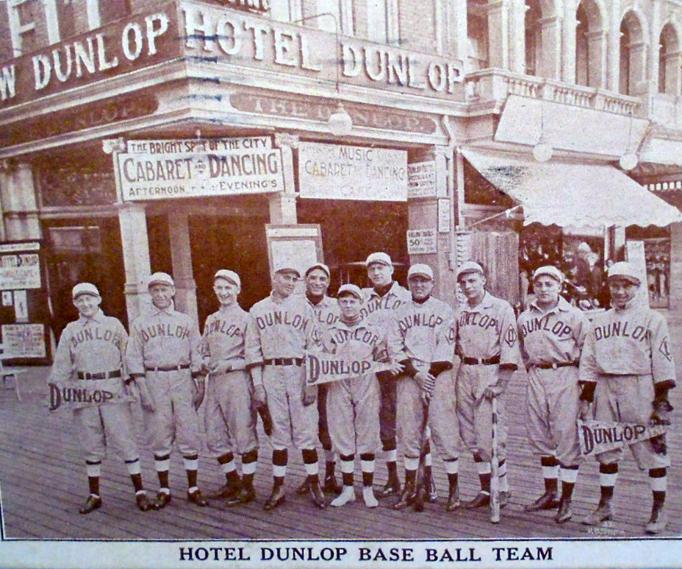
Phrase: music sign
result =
(169, 169)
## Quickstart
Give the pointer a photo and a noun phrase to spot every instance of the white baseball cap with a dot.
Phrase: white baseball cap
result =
(469, 267)
(550, 271)
(380, 258)
(624, 270)
(324, 268)
(286, 267)
(84, 288)
(228, 275)
(160, 278)
(420, 269)
(349, 288)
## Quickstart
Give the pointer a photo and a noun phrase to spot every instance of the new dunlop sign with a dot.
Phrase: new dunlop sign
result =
(325, 368)
(163, 169)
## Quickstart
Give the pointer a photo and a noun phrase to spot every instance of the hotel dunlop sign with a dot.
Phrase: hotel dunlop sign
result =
(234, 34)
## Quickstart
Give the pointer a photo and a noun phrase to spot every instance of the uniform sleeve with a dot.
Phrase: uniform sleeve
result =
(62, 368)
(588, 359)
(313, 339)
(123, 335)
(195, 355)
(395, 341)
(444, 352)
(135, 353)
(662, 364)
(253, 349)
(204, 347)
(522, 345)
(510, 355)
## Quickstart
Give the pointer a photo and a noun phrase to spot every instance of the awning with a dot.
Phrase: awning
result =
(564, 193)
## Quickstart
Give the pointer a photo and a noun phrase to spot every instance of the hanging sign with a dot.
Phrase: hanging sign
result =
(421, 241)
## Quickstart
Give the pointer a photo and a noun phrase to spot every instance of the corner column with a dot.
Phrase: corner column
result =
(498, 34)
(181, 258)
(282, 205)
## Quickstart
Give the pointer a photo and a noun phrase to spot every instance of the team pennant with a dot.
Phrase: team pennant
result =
(601, 436)
(85, 393)
(325, 368)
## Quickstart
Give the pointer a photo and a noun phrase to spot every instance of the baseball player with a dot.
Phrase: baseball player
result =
(628, 370)
(484, 331)
(280, 330)
(326, 310)
(230, 418)
(353, 404)
(552, 333)
(381, 300)
(163, 356)
(418, 340)
(92, 348)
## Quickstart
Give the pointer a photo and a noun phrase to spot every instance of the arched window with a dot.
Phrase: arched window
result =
(590, 45)
(669, 61)
(632, 54)
(533, 37)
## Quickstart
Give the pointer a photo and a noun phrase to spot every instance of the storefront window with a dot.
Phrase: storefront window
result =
(657, 256)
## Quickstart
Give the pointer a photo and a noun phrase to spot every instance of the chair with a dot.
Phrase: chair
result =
(7, 372)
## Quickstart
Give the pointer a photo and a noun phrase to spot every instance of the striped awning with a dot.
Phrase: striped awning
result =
(569, 193)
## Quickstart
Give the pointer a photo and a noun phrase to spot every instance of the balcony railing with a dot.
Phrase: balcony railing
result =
(498, 84)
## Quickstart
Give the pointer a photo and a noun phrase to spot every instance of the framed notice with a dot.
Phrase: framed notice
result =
(23, 341)
(298, 246)
(444, 215)
(421, 241)
(421, 179)
(168, 169)
(19, 271)
(333, 171)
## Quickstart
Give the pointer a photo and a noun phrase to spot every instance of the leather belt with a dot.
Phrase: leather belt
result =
(482, 361)
(555, 365)
(284, 362)
(99, 375)
(167, 368)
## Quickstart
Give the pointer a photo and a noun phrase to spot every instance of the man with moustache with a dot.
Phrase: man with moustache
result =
(418, 339)
(230, 417)
(628, 369)
(93, 349)
(282, 327)
(484, 331)
(326, 310)
(552, 333)
(163, 356)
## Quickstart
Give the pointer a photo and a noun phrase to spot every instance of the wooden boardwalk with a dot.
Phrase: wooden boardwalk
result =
(43, 483)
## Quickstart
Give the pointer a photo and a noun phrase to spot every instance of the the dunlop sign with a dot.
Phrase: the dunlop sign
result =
(166, 169)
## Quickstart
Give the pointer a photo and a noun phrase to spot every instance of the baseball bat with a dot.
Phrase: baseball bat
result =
(421, 489)
(494, 469)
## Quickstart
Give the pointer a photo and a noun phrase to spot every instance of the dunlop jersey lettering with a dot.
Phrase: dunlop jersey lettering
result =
(159, 330)
(279, 318)
(96, 334)
(614, 329)
(224, 335)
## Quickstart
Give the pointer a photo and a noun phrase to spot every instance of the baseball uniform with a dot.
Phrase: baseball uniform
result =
(230, 417)
(92, 349)
(164, 348)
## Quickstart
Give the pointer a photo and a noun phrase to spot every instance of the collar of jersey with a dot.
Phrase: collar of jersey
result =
(97, 317)
(563, 306)
(391, 291)
(223, 309)
(486, 302)
(156, 311)
(324, 303)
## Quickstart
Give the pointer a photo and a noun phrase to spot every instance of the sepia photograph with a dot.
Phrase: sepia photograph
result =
(340, 283)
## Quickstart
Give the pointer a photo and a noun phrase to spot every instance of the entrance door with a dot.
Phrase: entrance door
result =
(499, 254)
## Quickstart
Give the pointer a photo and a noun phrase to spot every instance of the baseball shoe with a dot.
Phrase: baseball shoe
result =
(391, 488)
(276, 498)
(658, 521)
(369, 498)
(331, 486)
(407, 497)
(226, 491)
(603, 513)
(197, 498)
(548, 501)
(481, 499)
(162, 500)
(453, 499)
(317, 495)
(246, 494)
(565, 513)
(347, 495)
(430, 490)
(143, 503)
(505, 496)
(92, 503)
(302, 490)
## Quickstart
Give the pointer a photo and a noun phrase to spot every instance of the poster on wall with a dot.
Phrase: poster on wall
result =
(23, 340)
(295, 246)
(19, 271)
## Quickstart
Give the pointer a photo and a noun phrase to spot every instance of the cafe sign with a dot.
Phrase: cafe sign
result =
(168, 169)
(330, 171)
